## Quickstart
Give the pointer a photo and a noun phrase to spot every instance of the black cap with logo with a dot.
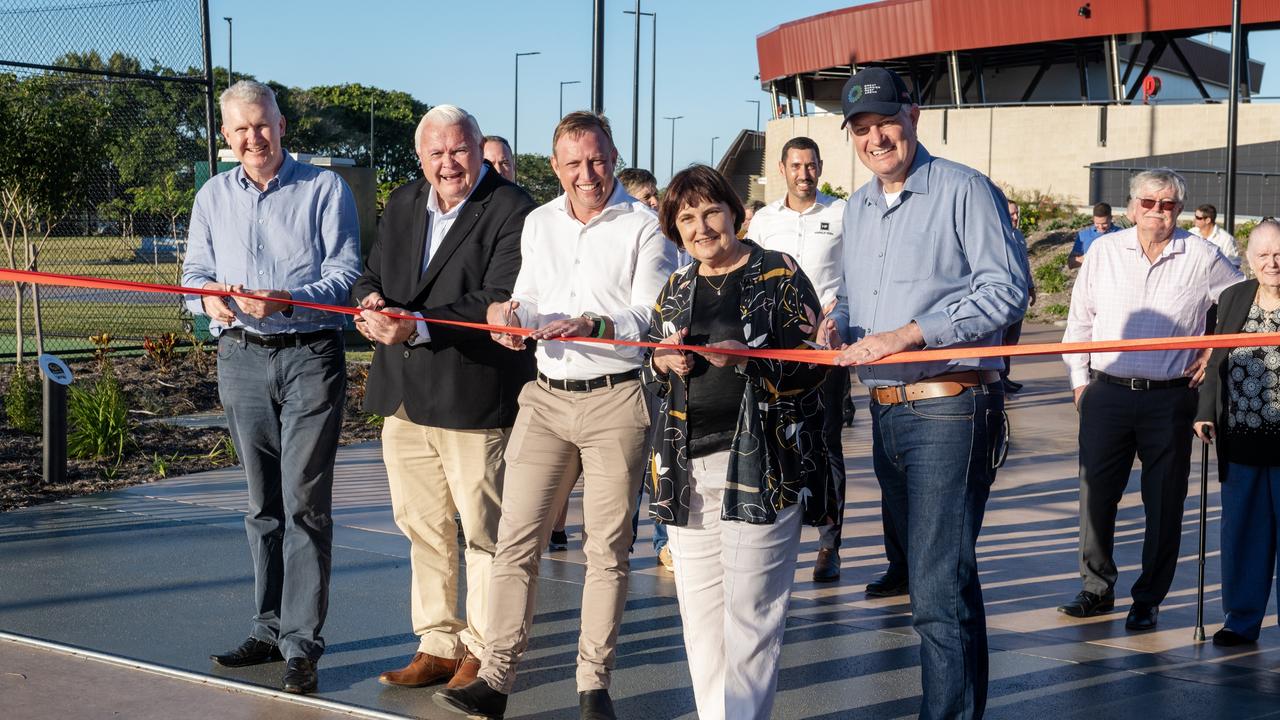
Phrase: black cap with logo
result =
(874, 90)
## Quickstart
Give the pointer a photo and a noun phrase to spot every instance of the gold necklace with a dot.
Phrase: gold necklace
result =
(719, 287)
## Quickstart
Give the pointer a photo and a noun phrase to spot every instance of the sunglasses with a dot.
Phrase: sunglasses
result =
(1201, 217)
(1165, 205)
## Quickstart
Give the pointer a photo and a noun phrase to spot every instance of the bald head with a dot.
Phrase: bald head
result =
(1264, 253)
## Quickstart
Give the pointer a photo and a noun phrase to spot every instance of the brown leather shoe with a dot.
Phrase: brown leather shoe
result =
(467, 670)
(422, 670)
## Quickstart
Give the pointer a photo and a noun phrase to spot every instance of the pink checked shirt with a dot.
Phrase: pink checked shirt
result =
(1120, 295)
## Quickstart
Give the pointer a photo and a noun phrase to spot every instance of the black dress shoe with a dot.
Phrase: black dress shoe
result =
(251, 652)
(300, 676)
(475, 698)
(596, 705)
(1227, 638)
(1088, 604)
(888, 585)
(559, 541)
(1142, 617)
(827, 567)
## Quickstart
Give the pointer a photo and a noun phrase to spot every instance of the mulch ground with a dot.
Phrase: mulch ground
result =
(154, 391)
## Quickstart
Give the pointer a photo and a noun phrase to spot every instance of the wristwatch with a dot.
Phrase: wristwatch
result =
(597, 324)
(413, 337)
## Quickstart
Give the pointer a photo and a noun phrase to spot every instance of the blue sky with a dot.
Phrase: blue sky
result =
(463, 53)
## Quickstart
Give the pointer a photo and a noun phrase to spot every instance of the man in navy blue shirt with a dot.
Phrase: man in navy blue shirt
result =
(1101, 226)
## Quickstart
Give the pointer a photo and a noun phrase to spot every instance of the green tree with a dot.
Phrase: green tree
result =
(53, 138)
(534, 174)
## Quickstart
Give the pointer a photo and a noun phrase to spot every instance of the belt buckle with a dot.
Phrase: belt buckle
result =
(608, 381)
(1137, 384)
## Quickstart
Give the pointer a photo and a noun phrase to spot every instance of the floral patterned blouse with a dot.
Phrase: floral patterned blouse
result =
(779, 451)
(1254, 385)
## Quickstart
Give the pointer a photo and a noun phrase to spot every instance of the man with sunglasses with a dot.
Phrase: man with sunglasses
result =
(1206, 227)
(1152, 280)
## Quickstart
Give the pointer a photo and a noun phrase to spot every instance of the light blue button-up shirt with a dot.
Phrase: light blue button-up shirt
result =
(301, 234)
(944, 256)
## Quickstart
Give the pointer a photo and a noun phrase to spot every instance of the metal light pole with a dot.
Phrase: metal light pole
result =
(653, 92)
(757, 102)
(515, 119)
(1233, 101)
(206, 49)
(375, 172)
(562, 84)
(673, 144)
(713, 150)
(635, 96)
(597, 57)
(231, 79)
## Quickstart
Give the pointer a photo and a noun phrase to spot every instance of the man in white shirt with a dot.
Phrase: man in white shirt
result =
(1206, 227)
(594, 261)
(1149, 281)
(806, 224)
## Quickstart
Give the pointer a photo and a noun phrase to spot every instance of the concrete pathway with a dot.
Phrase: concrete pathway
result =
(159, 575)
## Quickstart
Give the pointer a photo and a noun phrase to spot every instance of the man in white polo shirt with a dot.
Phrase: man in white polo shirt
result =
(593, 262)
(805, 224)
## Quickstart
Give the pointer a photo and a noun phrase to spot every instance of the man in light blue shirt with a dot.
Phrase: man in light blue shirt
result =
(1101, 226)
(930, 260)
(278, 230)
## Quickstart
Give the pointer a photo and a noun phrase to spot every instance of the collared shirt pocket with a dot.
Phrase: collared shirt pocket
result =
(915, 257)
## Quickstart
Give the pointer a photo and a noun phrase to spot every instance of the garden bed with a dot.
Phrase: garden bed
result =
(153, 389)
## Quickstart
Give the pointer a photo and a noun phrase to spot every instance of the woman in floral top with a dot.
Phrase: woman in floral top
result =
(1240, 408)
(738, 461)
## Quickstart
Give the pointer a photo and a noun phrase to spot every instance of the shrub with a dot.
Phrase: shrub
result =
(99, 421)
(22, 401)
(160, 349)
(1052, 277)
(837, 191)
(1057, 310)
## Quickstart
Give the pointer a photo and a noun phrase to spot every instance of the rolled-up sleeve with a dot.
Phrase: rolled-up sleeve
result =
(655, 261)
(999, 280)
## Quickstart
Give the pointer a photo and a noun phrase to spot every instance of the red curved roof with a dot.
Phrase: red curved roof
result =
(905, 28)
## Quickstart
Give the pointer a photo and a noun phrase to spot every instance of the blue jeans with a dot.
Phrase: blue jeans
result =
(284, 408)
(934, 460)
(1250, 532)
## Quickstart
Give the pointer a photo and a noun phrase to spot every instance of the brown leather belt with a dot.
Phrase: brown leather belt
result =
(939, 386)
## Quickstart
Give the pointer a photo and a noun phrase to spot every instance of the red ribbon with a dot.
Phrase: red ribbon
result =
(823, 357)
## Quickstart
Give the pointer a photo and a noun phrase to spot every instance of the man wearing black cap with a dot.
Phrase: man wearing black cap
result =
(930, 260)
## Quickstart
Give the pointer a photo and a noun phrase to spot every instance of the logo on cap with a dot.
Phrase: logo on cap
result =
(855, 94)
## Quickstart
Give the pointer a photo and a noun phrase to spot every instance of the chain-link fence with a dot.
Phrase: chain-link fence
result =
(102, 136)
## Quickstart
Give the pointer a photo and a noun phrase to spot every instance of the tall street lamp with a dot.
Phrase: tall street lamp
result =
(635, 97)
(515, 120)
(673, 144)
(713, 150)
(230, 78)
(562, 84)
(757, 102)
(653, 91)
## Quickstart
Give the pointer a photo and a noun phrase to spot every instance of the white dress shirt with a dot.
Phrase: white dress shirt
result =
(812, 237)
(1120, 295)
(438, 224)
(1222, 240)
(614, 265)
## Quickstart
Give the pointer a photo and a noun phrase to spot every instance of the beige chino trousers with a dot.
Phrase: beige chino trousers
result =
(433, 473)
(557, 435)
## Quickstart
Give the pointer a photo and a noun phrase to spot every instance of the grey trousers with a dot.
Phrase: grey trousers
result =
(284, 408)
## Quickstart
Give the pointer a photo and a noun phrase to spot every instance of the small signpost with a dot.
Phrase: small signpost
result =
(57, 376)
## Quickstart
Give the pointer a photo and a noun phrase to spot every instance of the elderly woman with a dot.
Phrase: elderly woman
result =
(1240, 408)
(738, 461)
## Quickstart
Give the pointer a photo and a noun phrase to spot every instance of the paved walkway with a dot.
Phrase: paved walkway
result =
(159, 575)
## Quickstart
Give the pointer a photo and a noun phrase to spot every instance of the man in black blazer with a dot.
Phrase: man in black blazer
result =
(447, 247)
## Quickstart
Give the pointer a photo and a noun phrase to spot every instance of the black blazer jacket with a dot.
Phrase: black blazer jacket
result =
(461, 379)
(1233, 311)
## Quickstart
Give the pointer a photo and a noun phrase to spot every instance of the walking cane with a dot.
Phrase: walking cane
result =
(1204, 497)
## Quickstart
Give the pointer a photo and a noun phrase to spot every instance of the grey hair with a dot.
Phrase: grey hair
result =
(1160, 177)
(1263, 227)
(443, 116)
(249, 92)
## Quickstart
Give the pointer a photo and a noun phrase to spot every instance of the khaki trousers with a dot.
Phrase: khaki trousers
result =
(433, 473)
(557, 435)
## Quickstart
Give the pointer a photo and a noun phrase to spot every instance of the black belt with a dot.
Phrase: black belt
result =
(1139, 383)
(594, 383)
(280, 340)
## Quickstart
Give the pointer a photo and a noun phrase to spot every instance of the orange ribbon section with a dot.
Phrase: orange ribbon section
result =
(823, 357)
